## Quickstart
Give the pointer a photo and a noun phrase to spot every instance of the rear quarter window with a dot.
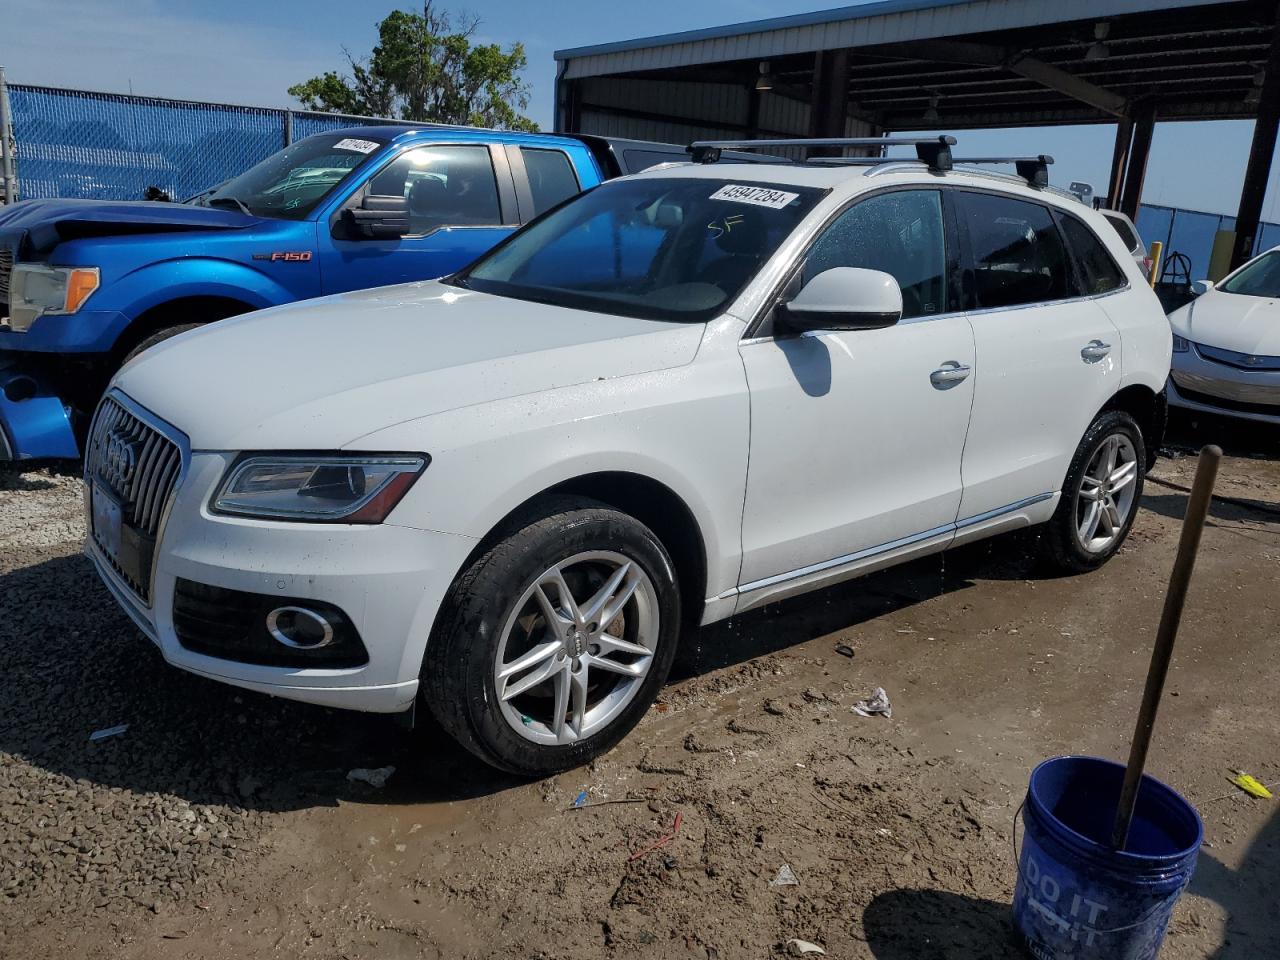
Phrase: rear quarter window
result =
(1127, 235)
(1098, 272)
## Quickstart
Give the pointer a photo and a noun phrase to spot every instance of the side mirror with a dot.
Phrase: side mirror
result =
(1201, 287)
(844, 298)
(377, 218)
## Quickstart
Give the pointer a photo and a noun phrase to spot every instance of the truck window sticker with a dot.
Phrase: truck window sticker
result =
(359, 146)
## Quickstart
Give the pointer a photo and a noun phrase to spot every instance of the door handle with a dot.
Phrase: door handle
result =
(1094, 351)
(949, 374)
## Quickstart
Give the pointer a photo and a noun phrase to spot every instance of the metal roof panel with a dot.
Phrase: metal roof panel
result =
(885, 21)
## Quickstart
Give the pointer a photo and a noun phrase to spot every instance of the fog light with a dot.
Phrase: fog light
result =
(300, 628)
(20, 388)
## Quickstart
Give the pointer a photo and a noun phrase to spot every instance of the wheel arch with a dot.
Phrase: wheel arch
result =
(195, 308)
(651, 502)
(1149, 408)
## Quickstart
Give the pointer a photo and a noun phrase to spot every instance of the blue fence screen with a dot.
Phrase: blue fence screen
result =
(1191, 232)
(112, 147)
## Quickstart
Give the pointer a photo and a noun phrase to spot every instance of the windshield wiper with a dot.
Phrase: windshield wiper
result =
(214, 201)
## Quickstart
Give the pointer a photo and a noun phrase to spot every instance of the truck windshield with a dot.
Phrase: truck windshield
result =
(1258, 279)
(658, 248)
(288, 185)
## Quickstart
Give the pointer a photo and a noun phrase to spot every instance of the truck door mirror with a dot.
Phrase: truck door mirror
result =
(377, 218)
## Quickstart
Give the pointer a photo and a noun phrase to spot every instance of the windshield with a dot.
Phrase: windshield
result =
(1258, 279)
(657, 248)
(289, 184)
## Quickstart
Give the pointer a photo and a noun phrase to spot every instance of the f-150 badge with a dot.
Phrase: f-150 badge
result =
(288, 256)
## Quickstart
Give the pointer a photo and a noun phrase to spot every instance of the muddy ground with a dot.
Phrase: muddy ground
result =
(221, 824)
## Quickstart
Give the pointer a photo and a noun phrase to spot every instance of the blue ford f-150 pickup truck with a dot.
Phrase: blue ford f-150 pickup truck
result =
(86, 284)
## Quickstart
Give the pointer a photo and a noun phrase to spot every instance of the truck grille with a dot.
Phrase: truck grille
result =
(6, 268)
(139, 466)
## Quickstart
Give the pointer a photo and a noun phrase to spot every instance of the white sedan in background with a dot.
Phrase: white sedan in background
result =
(1226, 344)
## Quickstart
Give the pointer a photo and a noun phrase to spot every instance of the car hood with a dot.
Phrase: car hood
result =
(1230, 321)
(320, 374)
(40, 225)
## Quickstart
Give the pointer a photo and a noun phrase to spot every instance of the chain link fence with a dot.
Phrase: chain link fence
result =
(108, 146)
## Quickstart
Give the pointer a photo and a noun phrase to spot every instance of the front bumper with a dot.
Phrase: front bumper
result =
(389, 579)
(85, 331)
(34, 422)
(1198, 383)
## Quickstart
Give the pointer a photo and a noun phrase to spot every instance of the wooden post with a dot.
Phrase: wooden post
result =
(1183, 564)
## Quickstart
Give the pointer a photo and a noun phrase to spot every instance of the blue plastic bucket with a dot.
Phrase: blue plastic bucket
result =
(1078, 898)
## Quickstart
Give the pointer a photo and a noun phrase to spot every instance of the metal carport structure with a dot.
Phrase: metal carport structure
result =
(904, 65)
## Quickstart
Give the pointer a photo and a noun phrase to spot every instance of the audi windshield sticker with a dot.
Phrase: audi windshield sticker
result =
(359, 146)
(757, 196)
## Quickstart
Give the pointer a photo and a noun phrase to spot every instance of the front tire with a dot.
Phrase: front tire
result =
(160, 336)
(1099, 497)
(555, 641)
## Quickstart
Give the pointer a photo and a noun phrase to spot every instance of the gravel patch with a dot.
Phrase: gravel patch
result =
(161, 813)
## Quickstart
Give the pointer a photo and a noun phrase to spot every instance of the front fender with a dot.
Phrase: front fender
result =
(686, 428)
(159, 283)
(111, 310)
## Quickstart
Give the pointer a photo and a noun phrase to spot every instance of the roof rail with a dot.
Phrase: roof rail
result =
(934, 151)
(1034, 170)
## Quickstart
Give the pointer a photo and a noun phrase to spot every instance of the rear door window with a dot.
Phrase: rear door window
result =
(1016, 254)
(1098, 272)
(899, 233)
(551, 177)
(636, 160)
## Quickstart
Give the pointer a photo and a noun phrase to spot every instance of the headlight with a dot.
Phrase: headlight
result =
(321, 489)
(1181, 344)
(36, 289)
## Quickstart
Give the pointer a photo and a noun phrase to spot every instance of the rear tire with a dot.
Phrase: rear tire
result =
(554, 642)
(1099, 496)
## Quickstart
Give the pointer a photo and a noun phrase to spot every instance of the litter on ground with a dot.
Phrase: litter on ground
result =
(1251, 786)
(108, 732)
(376, 777)
(799, 948)
(786, 877)
(876, 704)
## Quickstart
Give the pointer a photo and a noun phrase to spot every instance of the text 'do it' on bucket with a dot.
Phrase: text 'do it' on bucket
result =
(1076, 897)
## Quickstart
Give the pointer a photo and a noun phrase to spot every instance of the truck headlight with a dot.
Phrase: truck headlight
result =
(37, 288)
(318, 489)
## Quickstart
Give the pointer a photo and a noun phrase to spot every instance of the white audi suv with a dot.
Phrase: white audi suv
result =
(502, 496)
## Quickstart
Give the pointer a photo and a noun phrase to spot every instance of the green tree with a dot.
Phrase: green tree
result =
(425, 67)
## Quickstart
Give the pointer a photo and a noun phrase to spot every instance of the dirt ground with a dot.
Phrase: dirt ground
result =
(221, 824)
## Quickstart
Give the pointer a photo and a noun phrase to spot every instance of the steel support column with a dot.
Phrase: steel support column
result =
(1144, 126)
(1263, 148)
(1119, 161)
(830, 103)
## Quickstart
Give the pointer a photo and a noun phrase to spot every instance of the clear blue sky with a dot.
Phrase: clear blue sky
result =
(250, 51)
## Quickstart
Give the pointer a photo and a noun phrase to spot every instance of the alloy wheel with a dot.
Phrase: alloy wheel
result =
(576, 647)
(1106, 495)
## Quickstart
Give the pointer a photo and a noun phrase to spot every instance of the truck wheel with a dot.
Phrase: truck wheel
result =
(555, 641)
(1099, 497)
(159, 337)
